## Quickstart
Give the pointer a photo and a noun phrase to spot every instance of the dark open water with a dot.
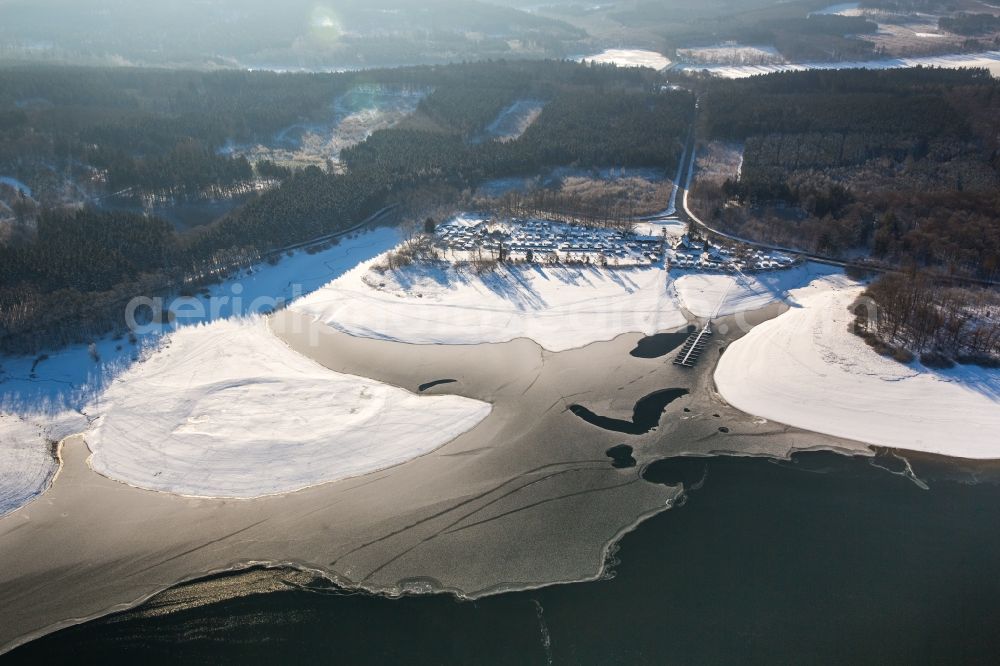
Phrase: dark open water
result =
(825, 559)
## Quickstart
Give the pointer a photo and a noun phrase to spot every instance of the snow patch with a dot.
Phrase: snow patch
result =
(673, 228)
(720, 294)
(629, 58)
(228, 410)
(559, 307)
(515, 120)
(27, 454)
(355, 115)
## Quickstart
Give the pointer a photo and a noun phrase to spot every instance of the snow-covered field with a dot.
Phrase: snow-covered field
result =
(716, 295)
(842, 9)
(673, 228)
(41, 398)
(629, 58)
(989, 60)
(356, 114)
(25, 466)
(27, 460)
(559, 307)
(804, 368)
(228, 410)
(513, 121)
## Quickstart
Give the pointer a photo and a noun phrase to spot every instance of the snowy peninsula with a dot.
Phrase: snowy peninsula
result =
(805, 369)
(228, 410)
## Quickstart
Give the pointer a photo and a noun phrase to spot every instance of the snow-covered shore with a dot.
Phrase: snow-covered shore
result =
(559, 307)
(228, 410)
(805, 369)
(707, 294)
(28, 446)
(629, 58)
(42, 398)
(69, 378)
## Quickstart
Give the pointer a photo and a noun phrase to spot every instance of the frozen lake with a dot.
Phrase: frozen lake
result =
(827, 556)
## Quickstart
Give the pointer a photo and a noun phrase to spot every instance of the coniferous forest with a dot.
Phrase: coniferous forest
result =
(152, 130)
(899, 165)
(902, 166)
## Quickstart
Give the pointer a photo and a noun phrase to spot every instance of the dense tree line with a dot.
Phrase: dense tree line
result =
(970, 24)
(797, 35)
(904, 164)
(579, 126)
(292, 33)
(815, 37)
(152, 130)
(552, 204)
(468, 109)
(88, 251)
(160, 130)
(909, 314)
(903, 101)
(188, 168)
(150, 109)
(78, 267)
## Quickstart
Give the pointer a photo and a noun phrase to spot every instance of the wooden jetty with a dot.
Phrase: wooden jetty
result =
(691, 351)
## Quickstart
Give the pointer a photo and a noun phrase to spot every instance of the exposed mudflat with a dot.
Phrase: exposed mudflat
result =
(526, 498)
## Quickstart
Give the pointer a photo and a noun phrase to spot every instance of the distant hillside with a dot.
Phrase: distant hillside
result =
(902, 165)
(289, 34)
